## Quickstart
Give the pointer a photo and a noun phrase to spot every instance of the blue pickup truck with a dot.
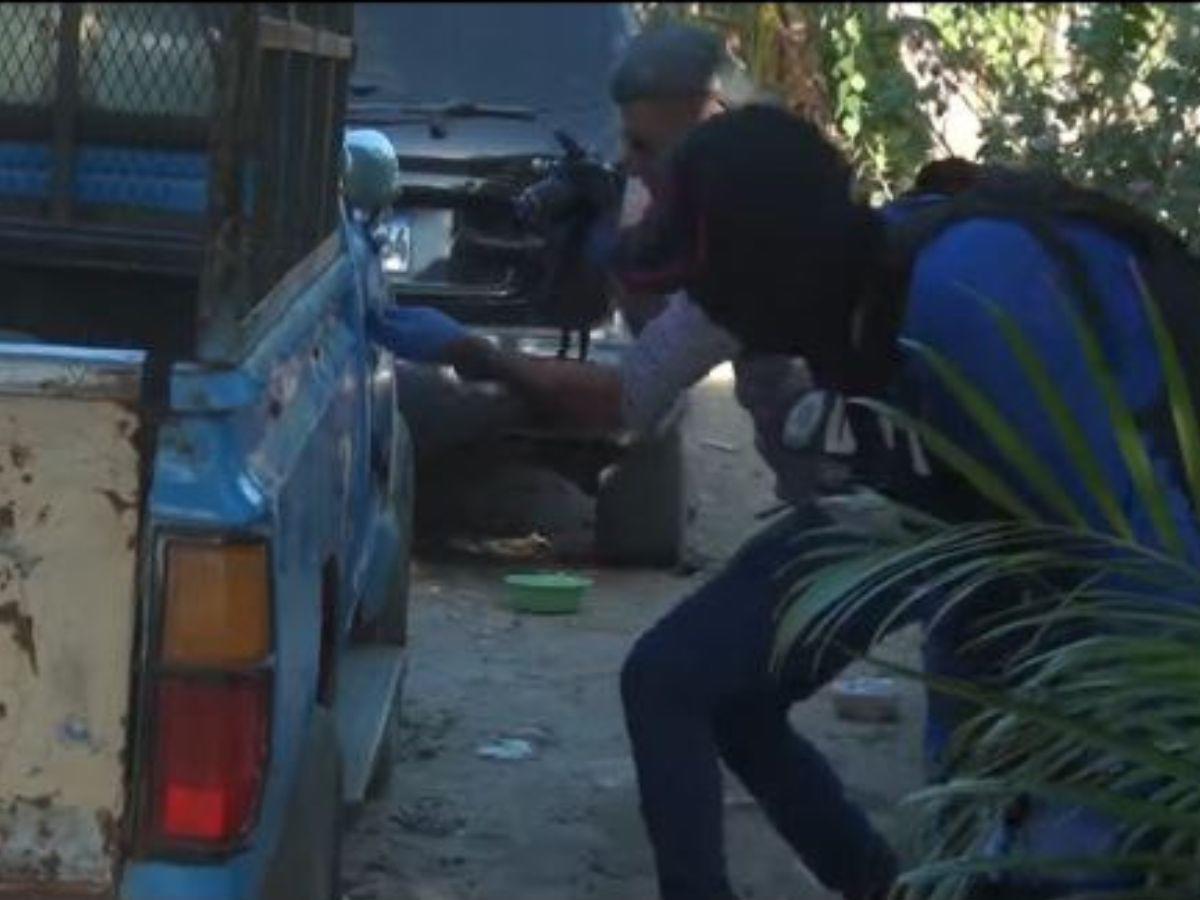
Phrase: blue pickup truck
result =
(205, 488)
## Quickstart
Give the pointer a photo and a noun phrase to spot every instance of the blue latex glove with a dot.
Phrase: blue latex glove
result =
(416, 333)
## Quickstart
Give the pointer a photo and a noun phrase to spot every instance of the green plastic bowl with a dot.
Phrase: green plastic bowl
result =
(551, 593)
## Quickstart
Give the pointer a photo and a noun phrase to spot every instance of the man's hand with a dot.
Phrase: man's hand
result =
(417, 333)
(584, 395)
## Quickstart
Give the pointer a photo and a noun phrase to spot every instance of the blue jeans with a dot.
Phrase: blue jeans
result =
(697, 689)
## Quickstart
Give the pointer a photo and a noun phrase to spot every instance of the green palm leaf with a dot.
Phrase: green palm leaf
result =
(1059, 414)
(984, 413)
(1183, 407)
(976, 473)
(1129, 438)
(1095, 701)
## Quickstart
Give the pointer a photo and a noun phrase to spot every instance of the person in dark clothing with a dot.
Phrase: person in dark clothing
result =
(757, 223)
(671, 79)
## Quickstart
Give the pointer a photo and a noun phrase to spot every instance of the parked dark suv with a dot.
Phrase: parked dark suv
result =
(480, 101)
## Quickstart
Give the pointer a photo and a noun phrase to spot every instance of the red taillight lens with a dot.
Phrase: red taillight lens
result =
(210, 757)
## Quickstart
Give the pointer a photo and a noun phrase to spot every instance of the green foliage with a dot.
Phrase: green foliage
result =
(1105, 93)
(1106, 715)
(877, 105)
(871, 99)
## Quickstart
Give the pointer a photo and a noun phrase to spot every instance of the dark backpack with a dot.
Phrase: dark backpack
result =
(1041, 203)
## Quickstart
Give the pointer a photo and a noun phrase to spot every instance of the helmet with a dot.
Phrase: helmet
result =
(371, 175)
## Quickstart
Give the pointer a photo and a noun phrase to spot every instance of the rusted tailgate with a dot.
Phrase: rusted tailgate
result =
(69, 476)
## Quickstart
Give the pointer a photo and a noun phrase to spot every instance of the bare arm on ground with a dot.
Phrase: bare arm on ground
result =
(586, 395)
(674, 351)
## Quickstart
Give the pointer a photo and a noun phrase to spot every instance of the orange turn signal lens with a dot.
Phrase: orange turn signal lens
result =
(216, 604)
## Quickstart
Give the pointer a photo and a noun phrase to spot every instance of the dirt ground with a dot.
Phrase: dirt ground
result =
(564, 823)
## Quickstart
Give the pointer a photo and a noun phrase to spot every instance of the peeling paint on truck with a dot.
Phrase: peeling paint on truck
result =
(68, 528)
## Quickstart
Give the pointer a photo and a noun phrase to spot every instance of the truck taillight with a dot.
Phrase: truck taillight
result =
(210, 695)
(216, 604)
(210, 757)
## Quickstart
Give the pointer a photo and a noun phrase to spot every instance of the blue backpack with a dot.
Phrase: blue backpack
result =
(1040, 203)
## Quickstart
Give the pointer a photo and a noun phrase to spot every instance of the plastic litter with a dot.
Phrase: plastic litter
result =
(507, 750)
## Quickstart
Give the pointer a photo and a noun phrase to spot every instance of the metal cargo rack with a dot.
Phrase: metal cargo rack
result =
(189, 139)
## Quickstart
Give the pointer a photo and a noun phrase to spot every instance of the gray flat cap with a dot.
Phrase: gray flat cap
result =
(675, 61)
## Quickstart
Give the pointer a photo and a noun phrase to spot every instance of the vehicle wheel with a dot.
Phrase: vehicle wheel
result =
(327, 866)
(339, 834)
(391, 625)
(642, 506)
(389, 754)
(307, 863)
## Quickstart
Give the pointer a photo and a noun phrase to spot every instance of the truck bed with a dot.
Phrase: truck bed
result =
(100, 308)
(69, 511)
(135, 208)
(188, 141)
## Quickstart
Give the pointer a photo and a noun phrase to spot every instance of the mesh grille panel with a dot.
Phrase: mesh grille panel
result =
(217, 123)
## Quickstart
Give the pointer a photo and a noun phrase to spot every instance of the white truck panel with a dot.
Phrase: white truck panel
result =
(69, 511)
